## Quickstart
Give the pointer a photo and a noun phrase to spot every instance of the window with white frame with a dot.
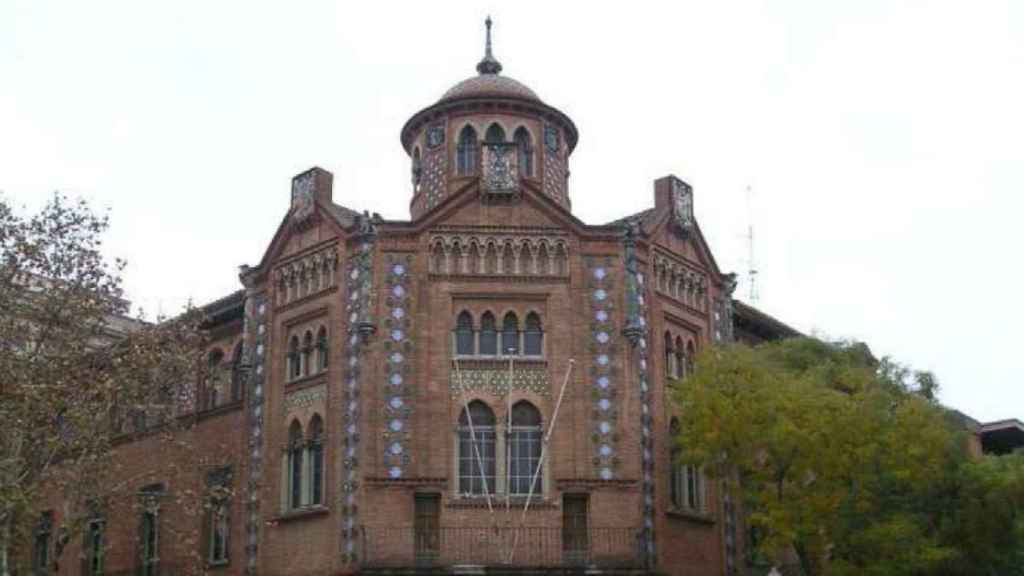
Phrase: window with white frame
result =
(304, 462)
(687, 486)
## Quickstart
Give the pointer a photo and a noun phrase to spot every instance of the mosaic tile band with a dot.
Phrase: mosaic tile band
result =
(398, 376)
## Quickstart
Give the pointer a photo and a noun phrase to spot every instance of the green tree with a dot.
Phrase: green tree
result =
(76, 374)
(845, 465)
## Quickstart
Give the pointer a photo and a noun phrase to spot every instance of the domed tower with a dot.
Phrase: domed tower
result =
(492, 132)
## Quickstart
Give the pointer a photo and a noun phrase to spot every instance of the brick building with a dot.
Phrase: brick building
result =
(382, 390)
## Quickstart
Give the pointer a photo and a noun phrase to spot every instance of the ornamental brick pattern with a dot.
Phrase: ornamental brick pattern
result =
(604, 369)
(398, 351)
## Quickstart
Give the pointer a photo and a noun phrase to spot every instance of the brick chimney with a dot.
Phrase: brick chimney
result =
(316, 180)
(663, 188)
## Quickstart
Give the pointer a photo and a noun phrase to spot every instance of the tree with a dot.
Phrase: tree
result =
(847, 465)
(78, 375)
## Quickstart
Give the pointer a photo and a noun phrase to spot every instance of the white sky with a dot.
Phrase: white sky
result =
(881, 140)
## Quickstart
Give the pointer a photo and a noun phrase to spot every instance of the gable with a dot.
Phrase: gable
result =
(691, 247)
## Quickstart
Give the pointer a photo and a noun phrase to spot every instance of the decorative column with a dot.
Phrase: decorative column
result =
(636, 332)
(360, 329)
(398, 377)
(604, 371)
(255, 344)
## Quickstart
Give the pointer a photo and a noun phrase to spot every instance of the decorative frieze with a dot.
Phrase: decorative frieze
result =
(307, 275)
(495, 380)
(305, 397)
(487, 255)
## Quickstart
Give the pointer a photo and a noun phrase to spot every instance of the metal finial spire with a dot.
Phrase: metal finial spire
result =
(489, 65)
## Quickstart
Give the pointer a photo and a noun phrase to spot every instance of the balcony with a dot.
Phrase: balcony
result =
(503, 550)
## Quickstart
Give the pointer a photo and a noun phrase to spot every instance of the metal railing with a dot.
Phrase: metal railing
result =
(525, 547)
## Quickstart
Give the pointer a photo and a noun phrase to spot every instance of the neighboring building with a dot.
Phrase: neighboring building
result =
(995, 438)
(359, 415)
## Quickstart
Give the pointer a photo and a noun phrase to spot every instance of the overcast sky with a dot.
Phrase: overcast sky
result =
(881, 141)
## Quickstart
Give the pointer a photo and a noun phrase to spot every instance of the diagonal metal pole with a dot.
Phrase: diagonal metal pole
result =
(472, 437)
(543, 456)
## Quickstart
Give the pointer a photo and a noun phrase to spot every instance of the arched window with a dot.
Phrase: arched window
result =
(236, 373)
(466, 151)
(686, 489)
(676, 483)
(488, 335)
(316, 461)
(534, 337)
(417, 168)
(525, 149)
(510, 334)
(669, 357)
(214, 377)
(495, 134)
(307, 353)
(680, 359)
(476, 461)
(322, 352)
(437, 258)
(295, 441)
(464, 334)
(294, 361)
(524, 448)
(691, 354)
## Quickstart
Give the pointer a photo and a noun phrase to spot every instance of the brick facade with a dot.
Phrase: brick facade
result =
(387, 294)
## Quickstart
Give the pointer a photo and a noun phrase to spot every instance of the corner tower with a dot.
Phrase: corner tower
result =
(490, 132)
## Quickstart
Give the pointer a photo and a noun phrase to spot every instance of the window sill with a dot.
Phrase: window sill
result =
(486, 361)
(302, 513)
(305, 381)
(479, 501)
(218, 565)
(691, 516)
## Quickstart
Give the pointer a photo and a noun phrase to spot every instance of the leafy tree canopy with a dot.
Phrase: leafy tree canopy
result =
(847, 465)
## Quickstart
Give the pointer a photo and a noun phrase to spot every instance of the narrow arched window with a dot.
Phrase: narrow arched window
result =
(680, 352)
(524, 448)
(417, 168)
(466, 151)
(295, 446)
(495, 134)
(488, 335)
(236, 373)
(677, 486)
(533, 340)
(316, 461)
(510, 334)
(669, 357)
(437, 259)
(307, 353)
(476, 458)
(524, 148)
(691, 354)
(464, 334)
(322, 352)
(214, 377)
(294, 360)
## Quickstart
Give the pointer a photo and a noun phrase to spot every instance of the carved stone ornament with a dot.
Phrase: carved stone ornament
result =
(551, 138)
(682, 205)
(500, 169)
(303, 190)
(435, 136)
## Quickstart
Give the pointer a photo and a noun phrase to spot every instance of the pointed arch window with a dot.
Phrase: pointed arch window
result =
(417, 168)
(510, 334)
(307, 353)
(294, 360)
(691, 353)
(488, 335)
(495, 134)
(316, 461)
(464, 334)
(236, 373)
(680, 353)
(295, 445)
(213, 379)
(524, 147)
(322, 350)
(669, 357)
(466, 152)
(524, 448)
(533, 340)
(686, 482)
(476, 458)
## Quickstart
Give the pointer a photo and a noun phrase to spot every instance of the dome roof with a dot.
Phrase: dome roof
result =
(490, 85)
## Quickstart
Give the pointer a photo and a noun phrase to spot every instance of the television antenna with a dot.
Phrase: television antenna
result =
(752, 293)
